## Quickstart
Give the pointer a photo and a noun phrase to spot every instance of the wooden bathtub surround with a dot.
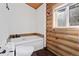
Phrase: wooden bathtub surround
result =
(25, 34)
(64, 41)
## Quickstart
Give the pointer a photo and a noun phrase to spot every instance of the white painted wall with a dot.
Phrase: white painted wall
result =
(4, 33)
(41, 21)
(22, 18)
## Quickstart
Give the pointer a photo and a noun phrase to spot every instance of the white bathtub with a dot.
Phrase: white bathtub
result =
(35, 41)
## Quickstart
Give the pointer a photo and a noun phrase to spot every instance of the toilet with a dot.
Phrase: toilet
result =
(13, 50)
(24, 50)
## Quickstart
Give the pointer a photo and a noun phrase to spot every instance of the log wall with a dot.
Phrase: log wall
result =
(64, 42)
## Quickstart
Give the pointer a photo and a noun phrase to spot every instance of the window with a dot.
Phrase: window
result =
(66, 15)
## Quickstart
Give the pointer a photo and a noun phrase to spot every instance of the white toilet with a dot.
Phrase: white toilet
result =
(24, 50)
(21, 50)
(9, 50)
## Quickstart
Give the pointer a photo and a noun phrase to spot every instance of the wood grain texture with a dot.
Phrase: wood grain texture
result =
(26, 34)
(61, 41)
(34, 5)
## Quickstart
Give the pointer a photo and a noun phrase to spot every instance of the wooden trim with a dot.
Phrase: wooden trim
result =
(25, 34)
(34, 5)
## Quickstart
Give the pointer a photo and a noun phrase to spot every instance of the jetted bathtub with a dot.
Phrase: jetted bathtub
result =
(34, 41)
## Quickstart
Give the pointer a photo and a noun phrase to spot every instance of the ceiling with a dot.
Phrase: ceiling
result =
(34, 5)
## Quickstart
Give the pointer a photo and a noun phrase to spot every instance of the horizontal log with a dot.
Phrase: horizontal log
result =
(68, 37)
(64, 37)
(49, 26)
(65, 43)
(64, 48)
(68, 31)
(49, 19)
(56, 53)
(49, 35)
(59, 51)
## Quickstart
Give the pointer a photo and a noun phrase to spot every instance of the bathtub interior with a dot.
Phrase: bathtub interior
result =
(27, 38)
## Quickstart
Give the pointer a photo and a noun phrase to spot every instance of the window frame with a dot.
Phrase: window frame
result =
(55, 22)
